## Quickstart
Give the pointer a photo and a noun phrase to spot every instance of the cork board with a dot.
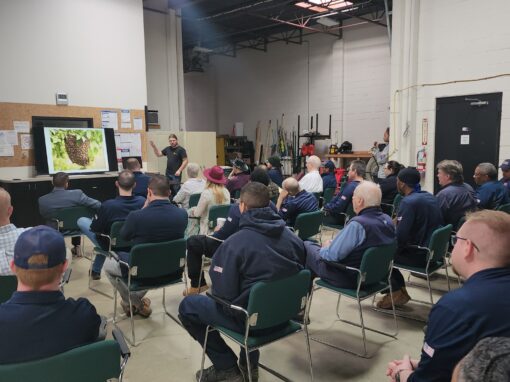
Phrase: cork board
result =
(10, 112)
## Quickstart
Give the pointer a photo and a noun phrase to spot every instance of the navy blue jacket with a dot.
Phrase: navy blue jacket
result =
(328, 181)
(276, 176)
(455, 200)
(506, 184)
(35, 325)
(341, 201)
(491, 195)
(263, 249)
(292, 206)
(142, 182)
(159, 221)
(418, 216)
(388, 188)
(460, 319)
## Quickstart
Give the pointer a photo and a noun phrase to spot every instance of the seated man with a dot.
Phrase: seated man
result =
(38, 321)
(455, 197)
(262, 250)
(110, 211)
(505, 180)
(294, 201)
(8, 233)
(274, 189)
(328, 176)
(312, 181)
(274, 170)
(239, 176)
(158, 221)
(477, 310)
(61, 197)
(490, 193)
(141, 180)
(198, 245)
(370, 228)
(342, 200)
(418, 217)
(194, 185)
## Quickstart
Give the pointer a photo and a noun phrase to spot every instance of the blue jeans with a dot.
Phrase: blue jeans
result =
(84, 225)
(195, 313)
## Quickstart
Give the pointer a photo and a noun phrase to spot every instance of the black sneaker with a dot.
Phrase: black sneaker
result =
(254, 373)
(212, 375)
(95, 275)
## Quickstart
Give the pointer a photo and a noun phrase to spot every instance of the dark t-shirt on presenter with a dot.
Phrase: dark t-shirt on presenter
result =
(174, 158)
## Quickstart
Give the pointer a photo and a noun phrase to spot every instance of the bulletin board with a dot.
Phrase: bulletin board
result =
(10, 112)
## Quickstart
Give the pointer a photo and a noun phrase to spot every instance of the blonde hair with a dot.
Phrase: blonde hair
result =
(217, 190)
(36, 278)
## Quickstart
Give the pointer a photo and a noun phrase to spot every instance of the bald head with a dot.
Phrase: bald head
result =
(5, 207)
(291, 185)
(367, 194)
(313, 162)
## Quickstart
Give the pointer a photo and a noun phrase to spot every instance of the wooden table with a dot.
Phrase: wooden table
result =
(342, 158)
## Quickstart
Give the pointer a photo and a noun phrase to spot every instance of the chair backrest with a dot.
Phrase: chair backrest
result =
(67, 217)
(99, 361)
(274, 302)
(375, 264)
(218, 211)
(317, 195)
(439, 242)
(396, 203)
(8, 285)
(308, 224)
(350, 211)
(504, 208)
(328, 194)
(193, 199)
(117, 241)
(154, 260)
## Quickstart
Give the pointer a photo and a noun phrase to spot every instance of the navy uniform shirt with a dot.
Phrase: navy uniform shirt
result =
(292, 206)
(340, 202)
(142, 183)
(491, 195)
(329, 180)
(455, 199)
(35, 325)
(506, 184)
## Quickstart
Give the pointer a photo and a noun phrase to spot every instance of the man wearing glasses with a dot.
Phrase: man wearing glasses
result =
(477, 310)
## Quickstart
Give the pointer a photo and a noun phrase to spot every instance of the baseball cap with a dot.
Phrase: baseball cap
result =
(40, 240)
(505, 166)
(329, 164)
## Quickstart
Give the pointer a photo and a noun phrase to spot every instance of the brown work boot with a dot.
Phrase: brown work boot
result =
(191, 290)
(145, 311)
(400, 298)
(125, 308)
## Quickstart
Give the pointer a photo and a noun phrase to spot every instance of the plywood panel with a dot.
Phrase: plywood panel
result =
(10, 112)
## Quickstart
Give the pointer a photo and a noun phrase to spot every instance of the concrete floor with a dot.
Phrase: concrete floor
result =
(165, 351)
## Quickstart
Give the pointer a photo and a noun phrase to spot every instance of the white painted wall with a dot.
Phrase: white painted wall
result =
(201, 102)
(445, 47)
(348, 78)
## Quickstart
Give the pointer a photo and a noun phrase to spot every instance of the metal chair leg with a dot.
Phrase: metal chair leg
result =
(362, 328)
(248, 364)
(203, 353)
(338, 307)
(430, 290)
(307, 338)
(131, 319)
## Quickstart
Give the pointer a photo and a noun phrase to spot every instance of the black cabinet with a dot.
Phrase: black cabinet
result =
(25, 195)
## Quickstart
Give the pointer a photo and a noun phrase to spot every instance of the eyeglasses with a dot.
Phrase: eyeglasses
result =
(455, 238)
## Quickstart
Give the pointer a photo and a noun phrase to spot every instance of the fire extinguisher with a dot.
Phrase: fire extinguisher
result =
(421, 161)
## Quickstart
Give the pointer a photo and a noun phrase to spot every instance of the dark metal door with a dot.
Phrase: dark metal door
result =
(468, 130)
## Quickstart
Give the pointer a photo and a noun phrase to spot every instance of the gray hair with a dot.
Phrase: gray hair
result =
(192, 170)
(370, 193)
(453, 169)
(315, 161)
(359, 167)
(488, 169)
(488, 361)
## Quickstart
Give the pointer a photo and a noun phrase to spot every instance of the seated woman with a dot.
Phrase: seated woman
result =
(215, 193)
(194, 185)
(389, 183)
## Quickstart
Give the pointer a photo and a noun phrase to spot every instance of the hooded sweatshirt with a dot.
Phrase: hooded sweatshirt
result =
(263, 249)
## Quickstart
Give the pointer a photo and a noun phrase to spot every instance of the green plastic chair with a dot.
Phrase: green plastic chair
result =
(437, 252)
(373, 277)
(96, 362)
(270, 304)
(328, 195)
(348, 215)
(504, 208)
(152, 266)
(237, 194)
(308, 224)
(193, 199)
(8, 285)
(66, 219)
(317, 195)
(392, 209)
(115, 243)
(215, 212)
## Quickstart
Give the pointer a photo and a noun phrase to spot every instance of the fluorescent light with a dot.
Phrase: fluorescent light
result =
(303, 5)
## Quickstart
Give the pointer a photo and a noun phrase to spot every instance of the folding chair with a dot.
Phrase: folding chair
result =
(270, 304)
(215, 212)
(152, 266)
(193, 199)
(348, 214)
(97, 362)
(436, 254)
(392, 209)
(328, 195)
(504, 208)
(309, 224)
(115, 243)
(373, 277)
(66, 219)
(8, 285)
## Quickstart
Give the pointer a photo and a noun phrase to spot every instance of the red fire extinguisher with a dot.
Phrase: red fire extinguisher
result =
(421, 161)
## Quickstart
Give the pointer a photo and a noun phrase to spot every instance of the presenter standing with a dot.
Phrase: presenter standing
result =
(177, 160)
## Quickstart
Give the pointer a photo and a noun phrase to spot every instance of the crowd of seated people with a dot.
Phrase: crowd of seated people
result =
(256, 244)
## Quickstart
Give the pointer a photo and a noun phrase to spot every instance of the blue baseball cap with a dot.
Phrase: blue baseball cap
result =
(329, 164)
(40, 240)
(505, 166)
